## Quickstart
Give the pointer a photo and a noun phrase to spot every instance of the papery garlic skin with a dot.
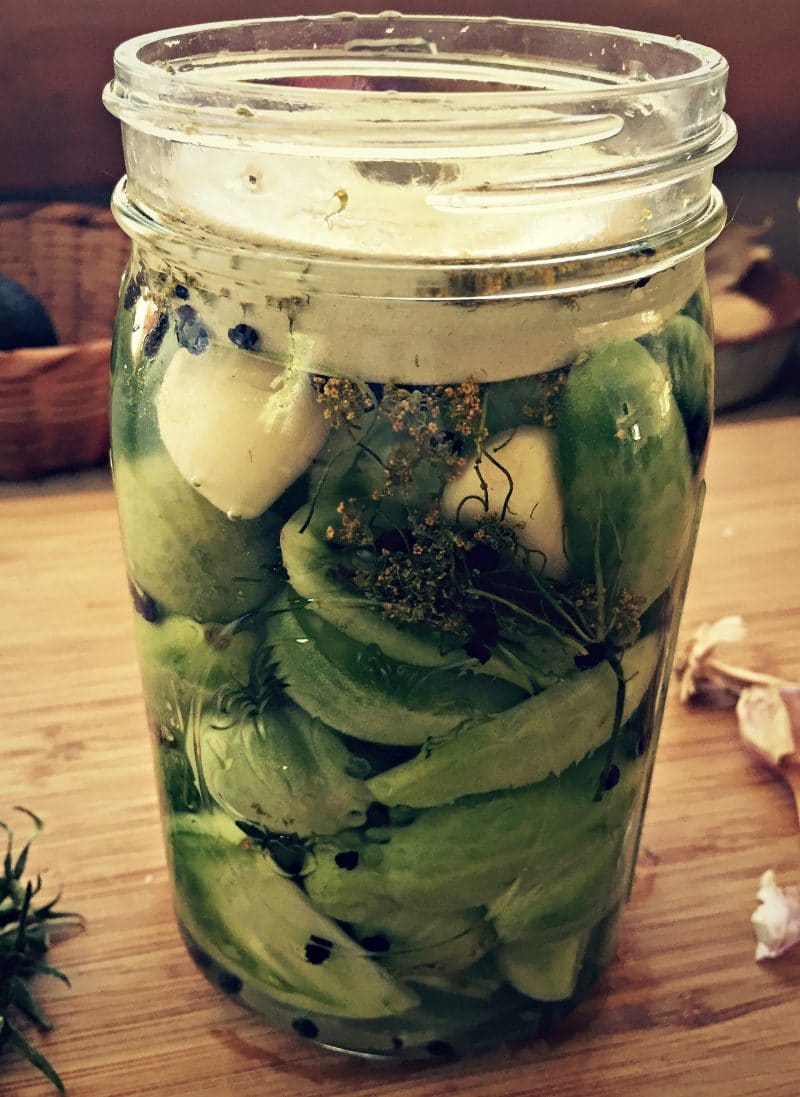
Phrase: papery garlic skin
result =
(765, 724)
(727, 630)
(777, 920)
(707, 678)
(692, 668)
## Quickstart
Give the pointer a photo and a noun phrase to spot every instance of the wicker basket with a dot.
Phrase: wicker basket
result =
(54, 400)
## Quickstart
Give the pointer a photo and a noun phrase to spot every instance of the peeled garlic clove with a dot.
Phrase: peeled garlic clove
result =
(776, 920)
(240, 428)
(535, 507)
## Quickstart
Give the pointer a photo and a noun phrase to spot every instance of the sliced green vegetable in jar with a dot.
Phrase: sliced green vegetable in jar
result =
(480, 982)
(547, 972)
(183, 552)
(414, 942)
(477, 1001)
(358, 690)
(541, 735)
(580, 889)
(466, 854)
(698, 308)
(318, 573)
(626, 473)
(135, 377)
(262, 929)
(312, 567)
(201, 655)
(178, 783)
(684, 349)
(282, 769)
(182, 664)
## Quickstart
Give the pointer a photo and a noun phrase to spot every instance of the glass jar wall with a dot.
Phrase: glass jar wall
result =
(411, 393)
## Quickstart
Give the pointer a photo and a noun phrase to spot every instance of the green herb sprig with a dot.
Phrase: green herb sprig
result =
(26, 933)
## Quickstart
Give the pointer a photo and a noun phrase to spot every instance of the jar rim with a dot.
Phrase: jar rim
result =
(194, 80)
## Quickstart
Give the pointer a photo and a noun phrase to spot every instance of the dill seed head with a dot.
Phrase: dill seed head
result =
(344, 402)
(350, 527)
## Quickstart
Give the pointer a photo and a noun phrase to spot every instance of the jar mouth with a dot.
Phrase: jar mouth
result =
(393, 86)
(390, 138)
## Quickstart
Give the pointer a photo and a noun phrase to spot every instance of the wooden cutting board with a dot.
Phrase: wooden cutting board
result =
(685, 1010)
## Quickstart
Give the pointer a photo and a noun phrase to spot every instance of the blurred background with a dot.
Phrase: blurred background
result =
(56, 56)
(57, 144)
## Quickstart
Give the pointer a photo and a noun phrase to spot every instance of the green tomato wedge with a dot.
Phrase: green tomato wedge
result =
(260, 926)
(698, 308)
(541, 735)
(181, 659)
(182, 664)
(135, 379)
(579, 891)
(184, 552)
(178, 785)
(479, 982)
(415, 943)
(547, 972)
(465, 855)
(283, 770)
(204, 656)
(312, 567)
(357, 689)
(626, 472)
(683, 348)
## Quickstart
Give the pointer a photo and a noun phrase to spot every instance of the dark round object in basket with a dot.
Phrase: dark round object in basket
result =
(23, 320)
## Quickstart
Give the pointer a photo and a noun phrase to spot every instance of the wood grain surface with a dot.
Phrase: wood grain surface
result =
(684, 1010)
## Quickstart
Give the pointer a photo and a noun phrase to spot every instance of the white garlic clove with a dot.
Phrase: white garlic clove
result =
(240, 428)
(535, 507)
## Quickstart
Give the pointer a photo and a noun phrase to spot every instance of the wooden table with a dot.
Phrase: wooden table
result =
(685, 1010)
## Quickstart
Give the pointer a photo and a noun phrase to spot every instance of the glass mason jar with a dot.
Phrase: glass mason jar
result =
(412, 381)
